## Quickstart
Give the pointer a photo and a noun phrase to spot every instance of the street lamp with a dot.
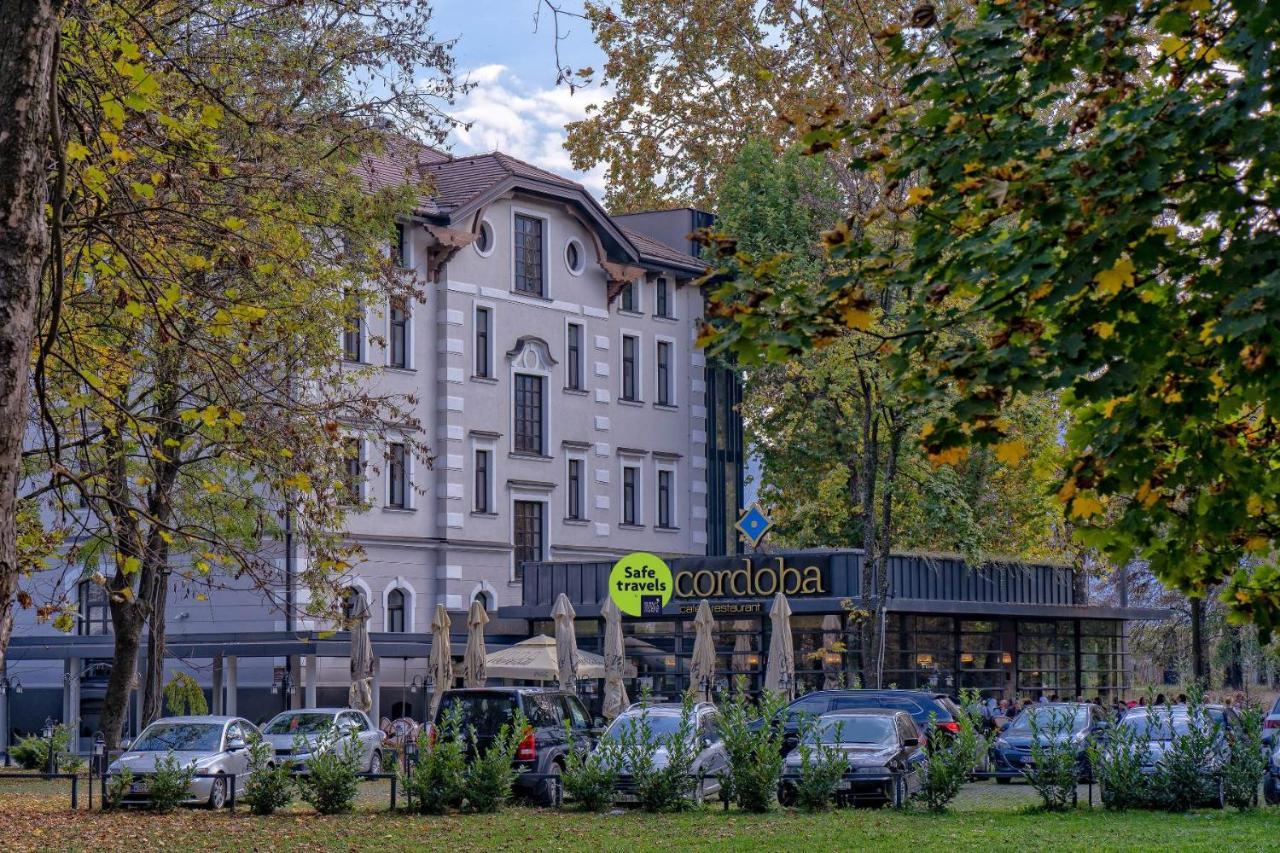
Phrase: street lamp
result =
(8, 687)
(46, 732)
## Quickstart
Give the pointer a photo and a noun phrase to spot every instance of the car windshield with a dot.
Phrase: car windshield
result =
(661, 725)
(855, 729)
(179, 737)
(1051, 719)
(1156, 726)
(299, 724)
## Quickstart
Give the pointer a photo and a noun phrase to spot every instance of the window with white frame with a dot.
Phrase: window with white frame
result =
(629, 298)
(575, 491)
(352, 471)
(397, 476)
(661, 297)
(483, 487)
(529, 533)
(529, 252)
(396, 611)
(529, 414)
(400, 246)
(573, 356)
(662, 374)
(398, 333)
(631, 494)
(353, 332)
(630, 368)
(665, 518)
(484, 341)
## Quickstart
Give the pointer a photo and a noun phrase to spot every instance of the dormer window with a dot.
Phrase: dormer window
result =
(528, 255)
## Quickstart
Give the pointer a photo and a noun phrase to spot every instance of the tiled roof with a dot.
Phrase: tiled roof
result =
(660, 253)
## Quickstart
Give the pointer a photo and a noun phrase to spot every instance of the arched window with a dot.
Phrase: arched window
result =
(395, 611)
(483, 598)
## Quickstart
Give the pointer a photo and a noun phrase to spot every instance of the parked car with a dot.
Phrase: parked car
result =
(1271, 779)
(921, 705)
(883, 750)
(1161, 725)
(1271, 723)
(317, 728)
(540, 753)
(210, 745)
(1055, 722)
(664, 719)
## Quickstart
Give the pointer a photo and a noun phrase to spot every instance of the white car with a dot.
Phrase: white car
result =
(216, 746)
(297, 735)
(1271, 723)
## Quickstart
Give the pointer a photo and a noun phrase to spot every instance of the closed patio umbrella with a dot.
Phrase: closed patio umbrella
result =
(780, 676)
(441, 657)
(615, 692)
(831, 634)
(566, 643)
(702, 668)
(473, 669)
(360, 695)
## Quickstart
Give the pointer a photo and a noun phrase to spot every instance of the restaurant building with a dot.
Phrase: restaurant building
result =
(1005, 628)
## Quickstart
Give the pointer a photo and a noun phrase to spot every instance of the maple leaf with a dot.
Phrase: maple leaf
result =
(1011, 452)
(918, 195)
(1085, 506)
(1111, 282)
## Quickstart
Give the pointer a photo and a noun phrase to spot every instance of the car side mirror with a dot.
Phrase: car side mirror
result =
(236, 744)
(598, 722)
(911, 741)
(126, 743)
(706, 741)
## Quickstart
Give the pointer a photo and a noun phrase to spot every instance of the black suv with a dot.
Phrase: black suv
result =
(542, 749)
(920, 704)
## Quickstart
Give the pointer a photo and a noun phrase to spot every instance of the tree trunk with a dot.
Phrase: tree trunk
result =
(126, 621)
(870, 563)
(28, 31)
(1197, 642)
(153, 698)
(886, 542)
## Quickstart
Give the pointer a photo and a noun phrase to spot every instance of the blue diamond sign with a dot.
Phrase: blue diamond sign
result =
(753, 524)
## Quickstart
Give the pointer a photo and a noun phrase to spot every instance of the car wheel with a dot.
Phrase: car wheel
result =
(786, 795)
(1003, 780)
(218, 793)
(1271, 790)
(551, 785)
(699, 795)
(375, 761)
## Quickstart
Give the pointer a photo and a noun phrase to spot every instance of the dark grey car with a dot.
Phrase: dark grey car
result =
(710, 759)
(881, 747)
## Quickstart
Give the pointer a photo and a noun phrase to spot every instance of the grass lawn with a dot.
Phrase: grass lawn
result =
(37, 816)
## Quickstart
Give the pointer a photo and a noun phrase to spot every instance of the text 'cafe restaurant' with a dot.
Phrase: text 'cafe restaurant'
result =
(1005, 628)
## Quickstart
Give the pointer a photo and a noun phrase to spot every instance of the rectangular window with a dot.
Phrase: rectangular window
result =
(399, 247)
(629, 297)
(664, 499)
(629, 347)
(353, 471)
(397, 485)
(664, 373)
(574, 360)
(399, 342)
(660, 296)
(95, 613)
(630, 475)
(528, 534)
(353, 335)
(482, 481)
(575, 488)
(528, 250)
(528, 426)
(483, 332)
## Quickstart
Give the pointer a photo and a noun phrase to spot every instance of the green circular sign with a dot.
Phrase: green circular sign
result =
(640, 584)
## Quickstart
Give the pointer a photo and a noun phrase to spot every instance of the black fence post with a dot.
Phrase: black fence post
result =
(393, 792)
(75, 785)
(233, 792)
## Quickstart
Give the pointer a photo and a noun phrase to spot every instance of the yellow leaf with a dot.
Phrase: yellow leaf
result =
(1146, 495)
(1109, 407)
(918, 195)
(966, 185)
(926, 431)
(212, 487)
(1085, 506)
(1104, 330)
(211, 115)
(1257, 545)
(299, 481)
(972, 166)
(955, 122)
(1011, 452)
(202, 567)
(1067, 491)
(1173, 46)
(1041, 292)
(856, 318)
(127, 593)
(949, 456)
(200, 596)
(130, 565)
(1254, 505)
(1112, 281)
(1174, 396)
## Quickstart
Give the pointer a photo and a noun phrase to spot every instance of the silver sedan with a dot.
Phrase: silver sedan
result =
(215, 747)
(297, 735)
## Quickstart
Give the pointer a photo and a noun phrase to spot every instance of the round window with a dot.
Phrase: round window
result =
(484, 242)
(573, 256)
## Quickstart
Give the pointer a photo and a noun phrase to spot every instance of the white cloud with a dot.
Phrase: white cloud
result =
(524, 121)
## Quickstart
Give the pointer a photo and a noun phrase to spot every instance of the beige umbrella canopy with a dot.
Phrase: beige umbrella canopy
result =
(360, 696)
(441, 657)
(473, 669)
(780, 676)
(535, 659)
(615, 660)
(702, 668)
(566, 643)
(831, 634)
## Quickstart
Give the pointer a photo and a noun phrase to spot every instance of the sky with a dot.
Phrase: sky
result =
(516, 106)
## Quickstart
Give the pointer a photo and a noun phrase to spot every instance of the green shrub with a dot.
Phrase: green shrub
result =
(269, 786)
(117, 787)
(1188, 773)
(1054, 770)
(590, 776)
(437, 782)
(753, 745)
(667, 787)
(169, 785)
(822, 766)
(32, 752)
(1117, 767)
(1246, 762)
(491, 774)
(332, 776)
(951, 761)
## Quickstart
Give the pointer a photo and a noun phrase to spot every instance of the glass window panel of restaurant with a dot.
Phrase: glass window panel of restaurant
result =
(1102, 663)
(738, 653)
(982, 653)
(655, 647)
(920, 652)
(1046, 658)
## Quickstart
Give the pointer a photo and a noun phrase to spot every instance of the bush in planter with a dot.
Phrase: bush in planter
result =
(332, 776)
(1246, 762)
(590, 776)
(661, 787)
(169, 784)
(1117, 763)
(437, 782)
(1054, 770)
(950, 764)
(753, 745)
(269, 786)
(822, 766)
(491, 774)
